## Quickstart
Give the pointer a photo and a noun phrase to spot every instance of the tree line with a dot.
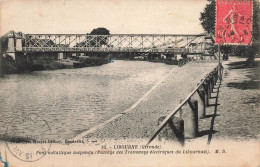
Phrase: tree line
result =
(207, 19)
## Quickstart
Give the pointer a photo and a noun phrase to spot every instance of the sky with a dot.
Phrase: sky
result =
(118, 16)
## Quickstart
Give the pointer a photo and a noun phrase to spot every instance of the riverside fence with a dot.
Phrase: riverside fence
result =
(189, 110)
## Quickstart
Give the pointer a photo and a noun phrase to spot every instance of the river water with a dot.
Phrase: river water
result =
(74, 100)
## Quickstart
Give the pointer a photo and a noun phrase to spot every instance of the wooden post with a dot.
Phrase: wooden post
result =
(201, 103)
(211, 82)
(219, 64)
(208, 87)
(205, 86)
(215, 74)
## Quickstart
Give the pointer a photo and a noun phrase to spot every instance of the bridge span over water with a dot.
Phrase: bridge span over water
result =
(114, 43)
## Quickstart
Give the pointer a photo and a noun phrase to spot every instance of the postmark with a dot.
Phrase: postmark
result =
(234, 22)
(27, 137)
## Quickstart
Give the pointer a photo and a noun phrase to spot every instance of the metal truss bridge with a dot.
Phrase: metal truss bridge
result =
(114, 43)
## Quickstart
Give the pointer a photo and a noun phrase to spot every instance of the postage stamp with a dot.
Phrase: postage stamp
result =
(27, 137)
(233, 22)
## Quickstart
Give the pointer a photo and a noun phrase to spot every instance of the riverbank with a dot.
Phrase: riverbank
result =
(51, 61)
(140, 120)
(9, 66)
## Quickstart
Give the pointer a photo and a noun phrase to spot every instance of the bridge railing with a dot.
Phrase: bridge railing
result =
(204, 90)
(154, 43)
(105, 49)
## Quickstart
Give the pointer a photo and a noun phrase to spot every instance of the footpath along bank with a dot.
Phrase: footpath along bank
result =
(238, 113)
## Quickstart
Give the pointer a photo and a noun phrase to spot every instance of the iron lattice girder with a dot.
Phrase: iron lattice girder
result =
(105, 50)
(108, 43)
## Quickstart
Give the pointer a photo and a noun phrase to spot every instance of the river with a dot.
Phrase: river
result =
(74, 100)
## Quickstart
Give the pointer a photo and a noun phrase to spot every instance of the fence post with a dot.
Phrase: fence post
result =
(215, 75)
(189, 114)
(208, 86)
(205, 86)
(173, 131)
(219, 72)
(201, 103)
(211, 82)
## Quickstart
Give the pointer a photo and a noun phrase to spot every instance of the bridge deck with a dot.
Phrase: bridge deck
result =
(114, 43)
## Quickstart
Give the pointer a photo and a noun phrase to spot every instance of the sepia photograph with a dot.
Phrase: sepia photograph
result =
(149, 83)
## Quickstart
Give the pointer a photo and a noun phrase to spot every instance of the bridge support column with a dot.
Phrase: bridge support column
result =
(65, 55)
(60, 56)
(28, 58)
(11, 46)
(18, 46)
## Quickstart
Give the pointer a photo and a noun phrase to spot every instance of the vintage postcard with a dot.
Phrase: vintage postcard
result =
(87, 83)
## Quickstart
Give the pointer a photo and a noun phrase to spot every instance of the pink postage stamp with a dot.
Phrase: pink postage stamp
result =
(233, 22)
